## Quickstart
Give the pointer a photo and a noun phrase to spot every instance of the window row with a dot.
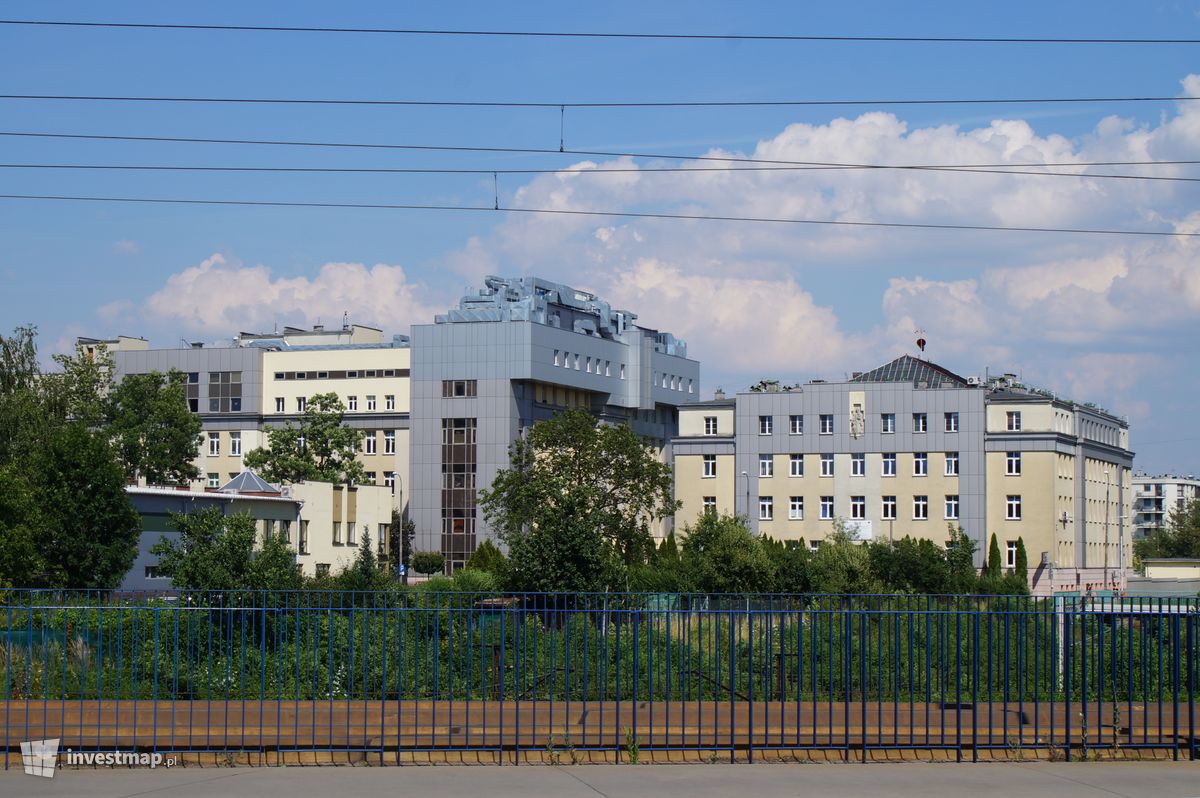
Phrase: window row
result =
(858, 508)
(589, 364)
(369, 405)
(340, 375)
(370, 441)
(887, 423)
(858, 465)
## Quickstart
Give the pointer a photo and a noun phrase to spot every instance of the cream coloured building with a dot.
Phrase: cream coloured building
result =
(912, 449)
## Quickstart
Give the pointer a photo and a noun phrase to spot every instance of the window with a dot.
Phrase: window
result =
(1010, 554)
(813, 545)
(920, 508)
(622, 371)
(796, 508)
(826, 423)
(556, 357)
(766, 425)
(235, 444)
(709, 505)
(301, 403)
(369, 442)
(302, 545)
(889, 508)
(577, 362)
(766, 465)
(1013, 508)
(858, 465)
(710, 425)
(389, 481)
(888, 423)
(588, 365)
(370, 403)
(389, 402)
(920, 464)
(193, 377)
(1012, 464)
(826, 507)
(951, 507)
(766, 508)
(920, 422)
(214, 444)
(352, 375)
(322, 569)
(235, 404)
(279, 406)
(268, 529)
(1014, 420)
(710, 465)
(796, 464)
(214, 480)
(951, 464)
(352, 403)
(951, 422)
(337, 533)
(152, 572)
(350, 534)
(371, 480)
(796, 425)
(889, 464)
(858, 507)
(389, 441)
(301, 442)
(302, 375)
(827, 465)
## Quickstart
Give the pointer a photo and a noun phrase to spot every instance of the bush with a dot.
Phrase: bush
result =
(487, 557)
(428, 562)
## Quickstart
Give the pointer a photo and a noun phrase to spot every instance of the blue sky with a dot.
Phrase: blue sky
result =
(1112, 320)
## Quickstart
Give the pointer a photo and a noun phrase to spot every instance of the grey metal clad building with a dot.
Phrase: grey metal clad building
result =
(513, 353)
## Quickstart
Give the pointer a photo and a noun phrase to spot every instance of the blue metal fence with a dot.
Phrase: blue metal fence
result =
(382, 675)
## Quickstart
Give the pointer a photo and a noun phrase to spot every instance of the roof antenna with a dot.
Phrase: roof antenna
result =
(562, 121)
(345, 320)
(495, 192)
(920, 339)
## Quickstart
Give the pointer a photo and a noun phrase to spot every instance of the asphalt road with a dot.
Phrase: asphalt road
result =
(900, 780)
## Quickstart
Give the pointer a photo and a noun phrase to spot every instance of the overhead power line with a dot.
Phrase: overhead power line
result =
(578, 170)
(604, 35)
(571, 152)
(592, 104)
(599, 213)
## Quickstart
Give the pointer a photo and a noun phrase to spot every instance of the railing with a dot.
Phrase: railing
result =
(386, 675)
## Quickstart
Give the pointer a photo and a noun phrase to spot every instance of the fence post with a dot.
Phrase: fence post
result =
(1191, 684)
(975, 689)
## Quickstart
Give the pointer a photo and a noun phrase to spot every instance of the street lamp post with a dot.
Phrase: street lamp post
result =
(1107, 489)
(749, 517)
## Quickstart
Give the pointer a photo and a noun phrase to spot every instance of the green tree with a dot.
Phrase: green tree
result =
(319, 448)
(219, 552)
(1180, 538)
(790, 558)
(487, 557)
(428, 562)
(960, 560)
(560, 552)
(910, 566)
(21, 557)
(152, 428)
(364, 572)
(1022, 569)
(842, 565)
(569, 471)
(993, 567)
(400, 540)
(721, 555)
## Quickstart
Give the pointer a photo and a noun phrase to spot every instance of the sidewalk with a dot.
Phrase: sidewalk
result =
(907, 780)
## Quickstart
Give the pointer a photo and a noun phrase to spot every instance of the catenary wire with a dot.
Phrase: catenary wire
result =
(598, 213)
(575, 170)
(592, 104)
(605, 35)
(549, 151)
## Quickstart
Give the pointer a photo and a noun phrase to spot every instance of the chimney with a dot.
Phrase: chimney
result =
(718, 394)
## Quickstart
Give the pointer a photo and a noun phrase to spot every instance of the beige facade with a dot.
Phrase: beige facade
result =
(333, 519)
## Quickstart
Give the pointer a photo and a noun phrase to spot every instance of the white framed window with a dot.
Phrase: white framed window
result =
(826, 508)
(214, 444)
(826, 423)
(350, 536)
(370, 403)
(235, 444)
(920, 508)
(588, 365)
(556, 358)
(951, 507)
(710, 465)
(888, 508)
(1010, 554)
(766, 465)
(301, 403)
(279, 404)
(951, 422)
(709, 504)
(858, 465)
(608, 373)
(369, 442)
(301, 442)
(951, 464)
(214, 480)
(920, 464)
(889, 464)
(710, 425)
(766, 425)
(389, 481)
(796, 508)
(389, 401)
(1012, 507)
(827, 465)
(389, 441)
(577, 362)
(887, 423)
(796, 425)
(796, 465)
(858, 507)
(1013, 418)
(352, 403)
(766, 508)
(920, 422)
(337, 532)
(285, 531)
(371, 478)
(1012, 464)
(622, 371)
(813, 545)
